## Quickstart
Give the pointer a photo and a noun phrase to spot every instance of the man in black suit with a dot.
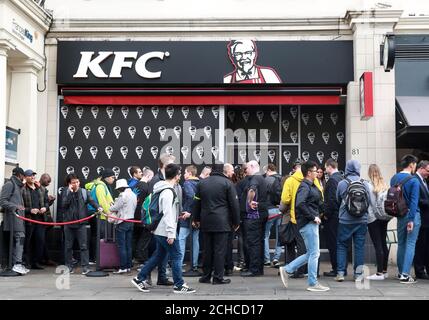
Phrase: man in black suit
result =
(421, 257)
(216, 212)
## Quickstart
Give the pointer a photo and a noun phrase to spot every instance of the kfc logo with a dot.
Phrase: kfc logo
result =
(122, 59)
(243, 55)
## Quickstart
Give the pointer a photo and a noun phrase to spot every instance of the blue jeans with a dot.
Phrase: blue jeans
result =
(357, 231)
(183, 235)
(310, 234)
(162, 250)
(278, 250)
(124, 239)
(407, 243)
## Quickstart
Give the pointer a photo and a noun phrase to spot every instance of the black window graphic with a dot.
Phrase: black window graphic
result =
(95, 137)
(283, 134)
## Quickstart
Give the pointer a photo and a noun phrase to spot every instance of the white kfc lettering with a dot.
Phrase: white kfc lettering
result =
(119, 63)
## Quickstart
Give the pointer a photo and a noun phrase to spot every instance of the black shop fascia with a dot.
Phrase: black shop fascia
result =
(123, 103)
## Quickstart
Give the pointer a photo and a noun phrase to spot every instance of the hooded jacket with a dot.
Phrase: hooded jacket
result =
(290, 188)
(104, 198)
(125, 205)
(353, 174)
(10, 200)
(169, 205)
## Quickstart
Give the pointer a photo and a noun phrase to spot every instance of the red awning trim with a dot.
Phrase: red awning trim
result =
(203, 100)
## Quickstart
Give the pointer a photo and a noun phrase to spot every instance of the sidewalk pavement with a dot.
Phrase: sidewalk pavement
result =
(42, 284)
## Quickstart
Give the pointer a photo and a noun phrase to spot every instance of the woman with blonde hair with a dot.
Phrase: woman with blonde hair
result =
(378, 220)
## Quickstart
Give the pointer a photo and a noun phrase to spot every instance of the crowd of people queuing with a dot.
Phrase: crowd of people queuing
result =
(220, 205)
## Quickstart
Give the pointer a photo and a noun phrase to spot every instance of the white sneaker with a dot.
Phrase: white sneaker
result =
(385, 275)
(407, 279)
(18, 268)
(285, 276)
(376, 277)
(121, 271)
(318, 288)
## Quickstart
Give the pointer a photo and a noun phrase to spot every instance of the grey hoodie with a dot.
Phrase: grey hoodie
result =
(352, 173)
(167, 227)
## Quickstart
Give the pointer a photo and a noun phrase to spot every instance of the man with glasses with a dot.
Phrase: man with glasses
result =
(307, 209)
(243, 54)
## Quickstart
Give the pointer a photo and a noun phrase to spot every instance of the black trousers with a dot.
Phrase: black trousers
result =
(215, 244)
(242, 248)
(141, 241)
(421, 256)
(295, 249)
(254, 239)
(72, 233)
(34, 243)
(378, 231)
(330, 228)
(229, 263)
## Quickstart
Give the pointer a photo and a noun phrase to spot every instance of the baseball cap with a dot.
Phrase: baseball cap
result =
(29, 173)
(107, 173)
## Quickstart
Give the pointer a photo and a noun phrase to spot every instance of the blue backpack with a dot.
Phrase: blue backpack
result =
(93, 193)
(151, 215)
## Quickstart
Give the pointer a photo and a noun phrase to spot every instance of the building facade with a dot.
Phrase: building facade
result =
(104, 91)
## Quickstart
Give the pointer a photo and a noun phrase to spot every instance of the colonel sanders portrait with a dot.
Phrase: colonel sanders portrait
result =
(243, 55)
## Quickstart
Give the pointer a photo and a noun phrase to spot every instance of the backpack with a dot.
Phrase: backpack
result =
(395, 204)
(93, 193)
(275, 190)
(356, 200)
(151, 216)
(380, 212)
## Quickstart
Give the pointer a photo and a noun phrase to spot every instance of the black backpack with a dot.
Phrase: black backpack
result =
(395, 204)
(356, 200)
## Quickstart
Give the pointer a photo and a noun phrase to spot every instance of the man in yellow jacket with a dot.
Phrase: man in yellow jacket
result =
(290, 189)
(105, 200)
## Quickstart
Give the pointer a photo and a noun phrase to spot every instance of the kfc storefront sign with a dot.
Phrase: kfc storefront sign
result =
(221, 63)
(90, 62)
(366, 96)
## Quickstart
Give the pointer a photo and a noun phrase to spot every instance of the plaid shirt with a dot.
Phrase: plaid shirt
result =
(26, 196)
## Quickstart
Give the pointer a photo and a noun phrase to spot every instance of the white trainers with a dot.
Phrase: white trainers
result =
(407, 279)
(285, 276)
(385, 275)
(318, 288)
(121, 271)
(376, 276)
(184, 288)
(19, 268)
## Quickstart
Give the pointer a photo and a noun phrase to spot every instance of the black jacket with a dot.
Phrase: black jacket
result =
(156, 178)
(142, 189)
(331, 205)
(424, 204)
(274, 190)
(308, 203)
(216, 206)
(241, 188)
(75, 206)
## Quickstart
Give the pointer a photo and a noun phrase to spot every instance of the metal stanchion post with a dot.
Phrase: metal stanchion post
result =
(98, 272)
(9, 272)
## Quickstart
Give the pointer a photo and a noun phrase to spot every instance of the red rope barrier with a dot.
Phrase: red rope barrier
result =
(55, 223)
(120, 219)
(274, 216)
